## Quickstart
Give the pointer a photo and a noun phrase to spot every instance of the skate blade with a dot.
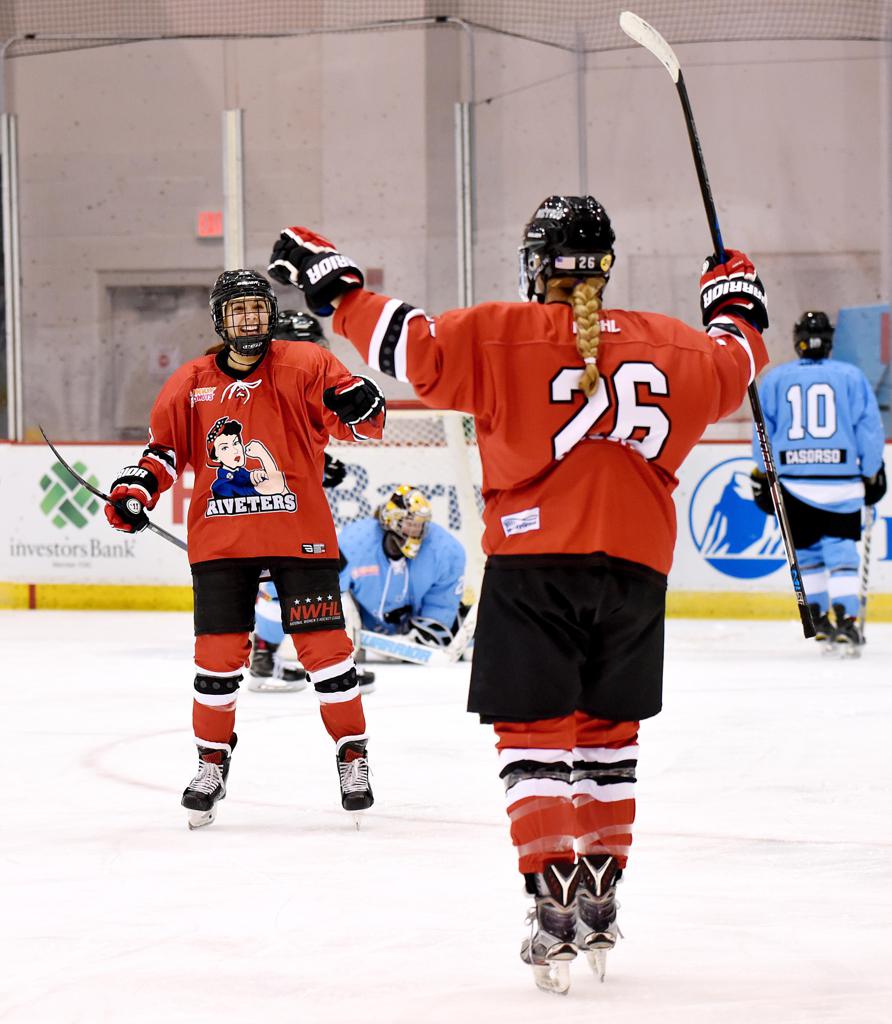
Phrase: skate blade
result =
(553, 976)
(846, 651)
(270, 686)
(597, 960)
(198, 819)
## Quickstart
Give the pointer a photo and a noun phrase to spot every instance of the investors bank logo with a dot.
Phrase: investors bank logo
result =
(729, 531)
(65, 501)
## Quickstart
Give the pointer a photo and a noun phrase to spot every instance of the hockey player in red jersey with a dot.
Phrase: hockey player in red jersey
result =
(252, 420)
(583, 416)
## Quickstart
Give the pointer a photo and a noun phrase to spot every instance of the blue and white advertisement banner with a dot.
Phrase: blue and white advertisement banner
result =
(726, 543)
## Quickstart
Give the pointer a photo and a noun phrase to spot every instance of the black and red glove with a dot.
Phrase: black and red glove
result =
(310, 262)
(133, 491)
(732, 288)
(333, 472)
(354, 399)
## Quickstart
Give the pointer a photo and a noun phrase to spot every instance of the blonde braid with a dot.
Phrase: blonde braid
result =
(586, 302)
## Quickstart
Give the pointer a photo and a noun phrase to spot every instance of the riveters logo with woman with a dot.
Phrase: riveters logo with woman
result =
(238, 490)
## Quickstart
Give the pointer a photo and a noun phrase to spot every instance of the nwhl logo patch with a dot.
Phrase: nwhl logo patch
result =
(315, 611)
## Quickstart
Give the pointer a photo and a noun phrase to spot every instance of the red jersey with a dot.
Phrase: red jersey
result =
(563, 473)
(256, 445)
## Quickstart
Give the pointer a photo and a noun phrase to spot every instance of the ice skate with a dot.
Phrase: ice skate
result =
(270, 672)
(366, 680)
(551, 947)
(596, 907)
(847, 639)
(823, 628)
(353, 774)
(209, 785)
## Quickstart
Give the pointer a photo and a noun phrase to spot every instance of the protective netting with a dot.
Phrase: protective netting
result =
(39, 26)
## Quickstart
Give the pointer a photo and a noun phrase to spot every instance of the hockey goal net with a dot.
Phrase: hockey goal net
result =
(431, 449)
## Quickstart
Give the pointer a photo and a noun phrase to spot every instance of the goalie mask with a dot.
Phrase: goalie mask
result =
(813, 336)
(567, 236)
(244, 309)
(406, 515)
(294, 325)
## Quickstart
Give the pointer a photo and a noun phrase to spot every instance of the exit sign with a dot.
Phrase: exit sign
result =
(210, 223)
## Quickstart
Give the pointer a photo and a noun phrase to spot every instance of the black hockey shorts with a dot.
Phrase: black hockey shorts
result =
(564, 633)
(809, 524)
(225, 592)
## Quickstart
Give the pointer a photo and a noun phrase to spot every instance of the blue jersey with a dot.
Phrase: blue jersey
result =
(431, 583)
(825, 430)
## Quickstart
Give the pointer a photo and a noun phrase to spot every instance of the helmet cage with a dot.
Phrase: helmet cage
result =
(243, 284)
(406, 514)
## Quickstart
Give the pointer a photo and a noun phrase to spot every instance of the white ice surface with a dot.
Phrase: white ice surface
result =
(758, 893)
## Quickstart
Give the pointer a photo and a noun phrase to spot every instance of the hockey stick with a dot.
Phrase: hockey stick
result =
(119, 505)
(870, 517)
(393, 646)
(647, 36)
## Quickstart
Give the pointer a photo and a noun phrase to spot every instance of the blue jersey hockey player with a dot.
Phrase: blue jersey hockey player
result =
(826, 433)
(405, 573)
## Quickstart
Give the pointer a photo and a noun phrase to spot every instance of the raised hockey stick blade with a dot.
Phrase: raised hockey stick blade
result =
(99, 494)
(647, 36)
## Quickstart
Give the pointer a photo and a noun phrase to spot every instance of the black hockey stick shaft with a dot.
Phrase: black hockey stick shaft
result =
(119, 505)
(777, 498)
(644, 34)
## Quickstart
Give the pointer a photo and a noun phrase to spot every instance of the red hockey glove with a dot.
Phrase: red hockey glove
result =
(732, 288)
(133, 491)
(354, 399)
(311, 263)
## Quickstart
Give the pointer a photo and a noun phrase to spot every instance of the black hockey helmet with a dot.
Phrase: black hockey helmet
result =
(295, 325)
(813, 336)
(567, 236)
(243, 284)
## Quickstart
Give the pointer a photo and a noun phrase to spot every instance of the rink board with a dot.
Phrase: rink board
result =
(59, 551)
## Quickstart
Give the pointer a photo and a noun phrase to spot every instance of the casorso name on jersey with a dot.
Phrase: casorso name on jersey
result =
(813, 456)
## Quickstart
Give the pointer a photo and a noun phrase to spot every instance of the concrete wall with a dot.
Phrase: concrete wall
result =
(120, 147)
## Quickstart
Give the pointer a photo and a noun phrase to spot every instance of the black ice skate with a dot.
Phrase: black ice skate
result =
(209, 785)
(366, 680)
(847, 639)
(353, 773)
(552, 943)
(823, 626)
(270, 673)
(596, 907)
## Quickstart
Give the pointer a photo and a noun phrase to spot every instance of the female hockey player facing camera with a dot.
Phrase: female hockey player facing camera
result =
(583, 417)
(253, 420)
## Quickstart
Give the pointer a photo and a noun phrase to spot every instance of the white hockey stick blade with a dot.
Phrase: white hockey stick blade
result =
(404, 650)
(647, 36)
